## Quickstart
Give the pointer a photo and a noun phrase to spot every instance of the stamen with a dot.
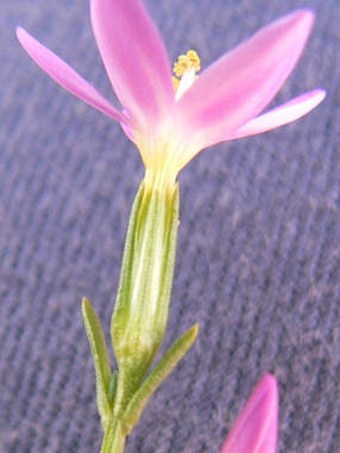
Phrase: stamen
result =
(176, 82)
(185, 69)
(186, 62)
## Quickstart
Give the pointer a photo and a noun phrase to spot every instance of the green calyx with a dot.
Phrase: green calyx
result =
(141, 309)
(140, 316)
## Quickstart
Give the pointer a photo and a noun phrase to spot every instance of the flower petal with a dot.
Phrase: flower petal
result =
(256, 428)
(67, 77)
(279, 116)
(135, 58)
(241, 83)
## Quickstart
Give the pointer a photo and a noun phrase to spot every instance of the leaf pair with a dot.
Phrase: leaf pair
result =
(106, 380)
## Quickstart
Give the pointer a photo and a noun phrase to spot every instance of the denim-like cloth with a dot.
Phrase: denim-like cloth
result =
(258, 257)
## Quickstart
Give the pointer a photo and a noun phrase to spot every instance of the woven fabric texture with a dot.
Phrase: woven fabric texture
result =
(258, 257)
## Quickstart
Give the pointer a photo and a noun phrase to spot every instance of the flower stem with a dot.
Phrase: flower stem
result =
(114, 439)
(140, 315)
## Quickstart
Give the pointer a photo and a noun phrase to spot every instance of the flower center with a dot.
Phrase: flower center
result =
(185, 69)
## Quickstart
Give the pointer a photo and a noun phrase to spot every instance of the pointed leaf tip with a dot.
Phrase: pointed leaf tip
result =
(85, 303)
(100, 357)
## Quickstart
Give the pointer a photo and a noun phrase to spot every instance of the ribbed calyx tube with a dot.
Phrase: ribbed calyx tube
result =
(141, 310)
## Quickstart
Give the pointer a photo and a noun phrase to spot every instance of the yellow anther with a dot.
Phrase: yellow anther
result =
(176, 82)
(187, 62)
(195, 60)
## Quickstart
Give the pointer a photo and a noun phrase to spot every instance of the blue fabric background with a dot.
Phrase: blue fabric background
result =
(258, 257)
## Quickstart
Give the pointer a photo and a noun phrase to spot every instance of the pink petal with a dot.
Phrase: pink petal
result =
(279, 116)
(135, 58)
(67, 77)
(240, 84)
(255, 430)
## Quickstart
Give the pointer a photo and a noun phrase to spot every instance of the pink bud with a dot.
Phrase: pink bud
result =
(256, 428)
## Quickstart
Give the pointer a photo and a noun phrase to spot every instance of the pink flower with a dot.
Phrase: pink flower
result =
(223, 103)
(256, 428)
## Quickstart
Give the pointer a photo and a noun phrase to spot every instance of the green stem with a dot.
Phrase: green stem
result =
(140, 315)
(114, 439)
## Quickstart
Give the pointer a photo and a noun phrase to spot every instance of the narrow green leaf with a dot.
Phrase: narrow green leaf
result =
(113, 387)
(100, 360)
(164, 367)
